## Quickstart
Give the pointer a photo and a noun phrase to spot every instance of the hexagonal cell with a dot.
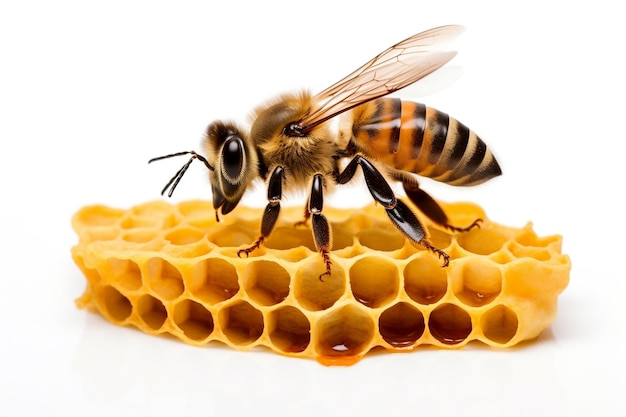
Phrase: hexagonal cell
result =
(124, 273)
(151, 311)
(164, 279)
(290, 237)
(241, 323)
(374, 281)
(184, 235)
(499, 324)
(439, 238)
(450, 324)
(342, 237)
(97, 216)
(480, 283)
(116, 304)
(232, 235)
(266, 282)
(198, 213)
(159, 214)
(213, 280)
(153, 210)
(401, 325)
(528, 237)
(193, 319)
(482, 241)
(381, 239)
(314, 294)
(139, 235)
(134, 222)
(295, 254)
(520, 251)
(289, 329)
(344, 334)
(425, 281)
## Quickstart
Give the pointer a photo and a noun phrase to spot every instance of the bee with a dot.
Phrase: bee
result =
(291, 145)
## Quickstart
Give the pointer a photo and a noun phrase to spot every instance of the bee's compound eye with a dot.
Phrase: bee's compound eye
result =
(232, 159)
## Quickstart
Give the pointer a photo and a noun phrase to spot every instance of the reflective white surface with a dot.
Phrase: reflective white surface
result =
(89, 91)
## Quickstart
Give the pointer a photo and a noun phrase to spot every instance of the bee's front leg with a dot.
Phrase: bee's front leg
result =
(272, 210)
(321, 228)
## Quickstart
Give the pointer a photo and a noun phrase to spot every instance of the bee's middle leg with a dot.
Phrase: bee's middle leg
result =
(272, 210)
(319, 223)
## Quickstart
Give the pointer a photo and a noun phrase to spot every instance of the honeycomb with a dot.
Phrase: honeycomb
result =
(173, 269)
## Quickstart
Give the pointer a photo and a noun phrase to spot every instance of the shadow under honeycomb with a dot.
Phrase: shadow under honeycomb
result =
(173, 269)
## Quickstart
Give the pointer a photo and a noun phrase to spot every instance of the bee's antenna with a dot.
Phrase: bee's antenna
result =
(173, 182)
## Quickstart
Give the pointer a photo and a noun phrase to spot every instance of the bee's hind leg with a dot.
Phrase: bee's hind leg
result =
(319, 223)
(307, 216)
(399, 213)
(431, 208)
(272, 210)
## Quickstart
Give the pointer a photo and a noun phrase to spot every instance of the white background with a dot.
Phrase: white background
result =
(89, 91)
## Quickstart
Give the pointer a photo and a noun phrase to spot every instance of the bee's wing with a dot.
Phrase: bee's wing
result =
(391, 70)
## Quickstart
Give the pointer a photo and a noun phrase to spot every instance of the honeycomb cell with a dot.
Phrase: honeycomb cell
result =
(125, 273)
(440, 239)
(289, 329)
(184, 235)
(241, 323)
(314, 292)
(101, 233)
(381, 239)
(290, 237)
(401, 325)
(198, 213)
(266, 282)
(296, 254)
(425, 281)
(374, 281)
(151, 311)
(195, 321)
(449, 324)
(344, 334)
(135, 222)
(342, 238)
(98, 216)
(213, 280)
(152, 210)
(139, 235)
(232, 235)
(480, 283)
(521, 251)
(164, 279)
(482, 241)
(116, 304)
(499, 324)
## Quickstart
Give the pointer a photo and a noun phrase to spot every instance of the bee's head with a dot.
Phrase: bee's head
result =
(235, 164)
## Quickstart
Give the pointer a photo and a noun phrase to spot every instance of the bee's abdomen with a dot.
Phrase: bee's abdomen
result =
(412, 137)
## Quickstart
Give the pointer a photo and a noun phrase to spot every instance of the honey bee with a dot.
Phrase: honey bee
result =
(291, 145)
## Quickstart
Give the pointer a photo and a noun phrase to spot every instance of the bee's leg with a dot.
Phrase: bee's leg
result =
(272, 210)
(401, 216)
(307, 216)
(321, 228)
(431, 208)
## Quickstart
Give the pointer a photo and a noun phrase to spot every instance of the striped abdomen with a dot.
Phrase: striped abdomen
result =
(412, 137)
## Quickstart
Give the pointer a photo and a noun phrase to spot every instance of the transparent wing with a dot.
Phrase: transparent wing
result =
(401, 65)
